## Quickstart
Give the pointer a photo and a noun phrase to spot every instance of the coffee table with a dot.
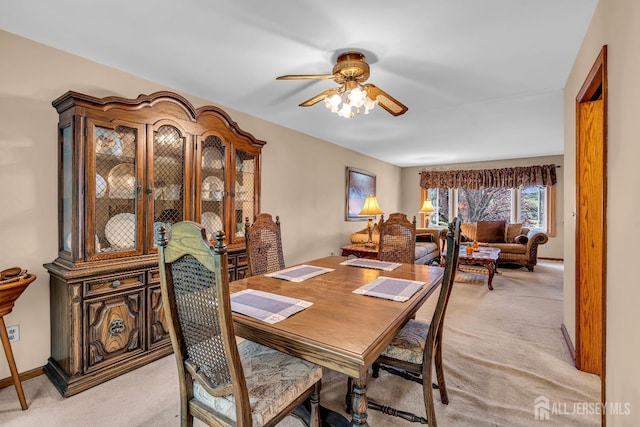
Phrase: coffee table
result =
(484, 256)
(360, 250)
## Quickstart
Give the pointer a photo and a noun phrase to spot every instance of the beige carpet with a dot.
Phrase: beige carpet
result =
(502, 350)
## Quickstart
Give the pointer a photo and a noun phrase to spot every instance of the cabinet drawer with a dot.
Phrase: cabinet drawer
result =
(112, 283)
(153, 276)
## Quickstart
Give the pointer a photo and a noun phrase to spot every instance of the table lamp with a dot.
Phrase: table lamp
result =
(370, 208)
(427, 208)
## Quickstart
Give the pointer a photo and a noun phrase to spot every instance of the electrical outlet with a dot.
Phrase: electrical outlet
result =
(14, 333)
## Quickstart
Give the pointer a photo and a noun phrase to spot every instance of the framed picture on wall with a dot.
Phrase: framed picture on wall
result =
(360, 184)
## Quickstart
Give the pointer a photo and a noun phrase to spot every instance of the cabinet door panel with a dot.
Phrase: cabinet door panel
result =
(241, 272)
(114, 329)
(113, 187)
(158, 325)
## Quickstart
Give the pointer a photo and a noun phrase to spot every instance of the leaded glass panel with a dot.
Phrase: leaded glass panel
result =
(168, 179)
(212, 195)
(116, 191)
(244, 190)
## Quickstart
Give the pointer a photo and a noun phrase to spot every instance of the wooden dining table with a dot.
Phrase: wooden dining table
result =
(341, 330)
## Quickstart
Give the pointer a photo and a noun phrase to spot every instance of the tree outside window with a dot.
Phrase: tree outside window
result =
(486, 204)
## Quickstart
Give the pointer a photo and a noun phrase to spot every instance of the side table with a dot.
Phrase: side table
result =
(360, 250)
(9, 293)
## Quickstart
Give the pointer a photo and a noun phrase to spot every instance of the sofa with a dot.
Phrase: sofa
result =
(427, 243)
(518, 245)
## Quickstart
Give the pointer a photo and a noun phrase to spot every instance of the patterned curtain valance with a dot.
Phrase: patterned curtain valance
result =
(520, 176)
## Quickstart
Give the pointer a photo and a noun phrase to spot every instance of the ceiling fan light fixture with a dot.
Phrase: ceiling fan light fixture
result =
(356, 97)
(352, 96)
(345, 111)
(350, 101)
(333, 102)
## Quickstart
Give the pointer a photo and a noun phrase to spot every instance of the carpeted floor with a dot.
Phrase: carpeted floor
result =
(503, 349)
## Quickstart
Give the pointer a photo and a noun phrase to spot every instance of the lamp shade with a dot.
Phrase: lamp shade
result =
(371, 207)
(427, 207)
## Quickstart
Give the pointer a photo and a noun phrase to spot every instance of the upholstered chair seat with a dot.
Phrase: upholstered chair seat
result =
(274, 380)
(410, 342)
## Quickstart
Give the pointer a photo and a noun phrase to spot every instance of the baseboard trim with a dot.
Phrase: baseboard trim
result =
(27, 375)
(567, 340)
(551, 259)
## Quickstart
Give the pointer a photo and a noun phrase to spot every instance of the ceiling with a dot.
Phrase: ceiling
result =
(482, 79)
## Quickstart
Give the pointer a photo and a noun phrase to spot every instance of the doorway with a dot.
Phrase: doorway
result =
(591, 221)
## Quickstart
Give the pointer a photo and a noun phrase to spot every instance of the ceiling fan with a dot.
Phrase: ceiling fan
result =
(352, 96)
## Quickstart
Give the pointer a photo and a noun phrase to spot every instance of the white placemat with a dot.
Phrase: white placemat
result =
(390, 288)
(265, 306)
(299, 273)
(371, 263)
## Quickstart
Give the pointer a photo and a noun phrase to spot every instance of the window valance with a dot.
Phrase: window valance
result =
(520, 176)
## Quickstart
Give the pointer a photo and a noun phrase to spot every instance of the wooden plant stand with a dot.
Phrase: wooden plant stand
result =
(9, 293)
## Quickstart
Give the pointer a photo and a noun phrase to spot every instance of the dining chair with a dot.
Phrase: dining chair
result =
(222, 382)
(418, 346)
(397, 239)
(264, 245)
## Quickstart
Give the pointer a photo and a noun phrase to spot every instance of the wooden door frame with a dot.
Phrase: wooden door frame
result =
(593, 88)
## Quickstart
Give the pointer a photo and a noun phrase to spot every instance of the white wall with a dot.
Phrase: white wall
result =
(303, 177)
(616, 23)
(410, 201)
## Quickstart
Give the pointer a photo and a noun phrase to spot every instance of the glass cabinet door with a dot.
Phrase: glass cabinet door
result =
(113, 187)
(66, 161)
(244, 192)
(167, 183)
(212, 187)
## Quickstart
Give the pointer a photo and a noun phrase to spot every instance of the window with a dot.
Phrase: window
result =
(440, 200)
(533, 206)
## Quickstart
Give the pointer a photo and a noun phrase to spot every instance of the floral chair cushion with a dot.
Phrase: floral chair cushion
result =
(409, 344)
(274, 380)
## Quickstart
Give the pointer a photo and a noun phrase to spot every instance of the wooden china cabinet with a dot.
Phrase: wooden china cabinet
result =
(125, 168)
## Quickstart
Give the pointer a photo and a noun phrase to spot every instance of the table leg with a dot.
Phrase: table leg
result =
(492, 268)
(12, 363)
(358, 400)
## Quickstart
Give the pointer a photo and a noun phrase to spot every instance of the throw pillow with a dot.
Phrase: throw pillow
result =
(522, 239)
(491, 231)
(513, 231)
(468, 230)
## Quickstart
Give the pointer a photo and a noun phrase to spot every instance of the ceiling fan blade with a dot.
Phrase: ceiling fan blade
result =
(385, 100)
(319, 97)
(306, 77)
